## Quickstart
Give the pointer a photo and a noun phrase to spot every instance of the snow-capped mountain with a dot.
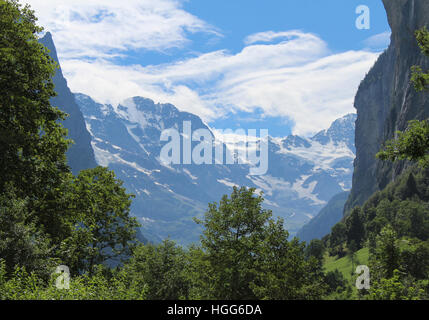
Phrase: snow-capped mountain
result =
(303, 173)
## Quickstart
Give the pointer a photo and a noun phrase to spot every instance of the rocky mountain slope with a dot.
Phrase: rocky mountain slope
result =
(321, 224)
(80, 155)
(386, 100)
(303, 174)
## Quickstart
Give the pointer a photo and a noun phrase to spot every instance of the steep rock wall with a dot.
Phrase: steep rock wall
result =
(386, 100)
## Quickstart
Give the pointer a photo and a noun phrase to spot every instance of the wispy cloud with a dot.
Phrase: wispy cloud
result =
(269, 36)
(289, 74)
(379, 41)
(299, 79)
(107, 28)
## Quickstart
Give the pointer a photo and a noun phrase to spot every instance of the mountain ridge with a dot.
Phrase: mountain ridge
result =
(80, 154)
(321, 225)
(299, 182)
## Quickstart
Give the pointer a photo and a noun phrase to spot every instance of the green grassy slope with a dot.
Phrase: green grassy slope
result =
(344, 265)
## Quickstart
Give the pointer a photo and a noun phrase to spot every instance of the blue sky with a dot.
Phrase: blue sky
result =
(332, 20)
(286, 65)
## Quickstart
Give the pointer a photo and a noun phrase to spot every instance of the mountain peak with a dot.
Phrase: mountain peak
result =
(341, 130)
(80, 155)
(293, 141)
(302, 175)
(146, 105)
(48, 42)
(48, 36)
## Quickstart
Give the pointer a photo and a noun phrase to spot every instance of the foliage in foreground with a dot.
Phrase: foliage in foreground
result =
(244, 254)
(23, 285)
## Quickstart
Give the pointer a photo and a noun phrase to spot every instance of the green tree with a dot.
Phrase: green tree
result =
(415, 259)
(283, 271)
(335, 281)
(32, 139)
(248, 256)
(160, 269)
(393, 288)
(337, 239)
(351, 254)
(21, 243)
(412, 144)
(355, 228)
(233, 234)
(419, 78)
(199, 273)
(408, 188)
(315, 249)
(32, 142)
(387, 255)
(412, 220)
(104, 231)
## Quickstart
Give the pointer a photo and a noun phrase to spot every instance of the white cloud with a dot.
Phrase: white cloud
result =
(378, 41)
(312, 95)
(269, 36)
(107, 28)
(288, 73)
(298, 78)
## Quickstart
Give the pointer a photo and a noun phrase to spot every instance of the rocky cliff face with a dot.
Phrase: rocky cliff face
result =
(386, 100)
(80, 155)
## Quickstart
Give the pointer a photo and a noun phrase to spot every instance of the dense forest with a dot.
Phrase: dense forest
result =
(51, 217)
